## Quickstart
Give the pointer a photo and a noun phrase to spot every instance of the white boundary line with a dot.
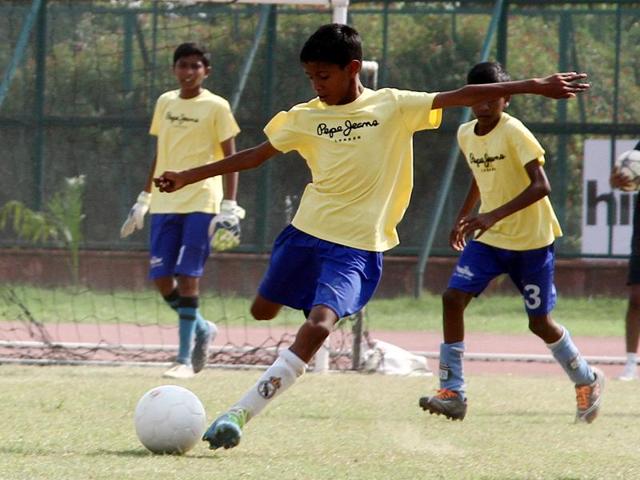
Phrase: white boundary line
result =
(473, 357)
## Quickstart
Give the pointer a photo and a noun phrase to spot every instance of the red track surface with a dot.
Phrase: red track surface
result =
(476, 343)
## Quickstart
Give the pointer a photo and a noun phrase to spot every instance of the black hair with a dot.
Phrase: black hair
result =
(187, 49)
(333, 43)
(487, 72)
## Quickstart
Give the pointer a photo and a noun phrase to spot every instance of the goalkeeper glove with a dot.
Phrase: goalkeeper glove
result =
(224, 229)
(135, 219)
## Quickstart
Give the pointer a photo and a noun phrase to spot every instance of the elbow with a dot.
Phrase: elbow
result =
(544, 189)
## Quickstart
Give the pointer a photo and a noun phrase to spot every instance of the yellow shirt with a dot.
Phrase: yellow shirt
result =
(497, 162)
(190, 133)
(361, 160)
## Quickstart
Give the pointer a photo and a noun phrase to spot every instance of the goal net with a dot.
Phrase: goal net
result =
(73, 291)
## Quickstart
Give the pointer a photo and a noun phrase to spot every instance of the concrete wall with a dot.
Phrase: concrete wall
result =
(241, 273)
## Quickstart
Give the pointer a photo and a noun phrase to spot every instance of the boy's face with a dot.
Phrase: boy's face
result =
(489, 112)
(333, 84)
(190, 72)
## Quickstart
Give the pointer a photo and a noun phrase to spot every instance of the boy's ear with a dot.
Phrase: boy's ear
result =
(507, 99)
(354, 67)
(207, 71)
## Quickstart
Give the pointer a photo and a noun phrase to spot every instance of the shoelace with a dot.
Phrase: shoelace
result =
(445, 394)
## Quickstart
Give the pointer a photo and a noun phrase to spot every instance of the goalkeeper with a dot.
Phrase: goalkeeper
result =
(194, 127)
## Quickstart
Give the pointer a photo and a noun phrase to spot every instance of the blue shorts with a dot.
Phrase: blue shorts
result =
(305, 271)
(179, 244)
(530, 270)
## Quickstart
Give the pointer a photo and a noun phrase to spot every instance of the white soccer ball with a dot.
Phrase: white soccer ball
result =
(169, 419)
(628, 163)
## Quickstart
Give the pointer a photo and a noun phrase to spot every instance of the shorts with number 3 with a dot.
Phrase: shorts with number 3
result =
(530, 270)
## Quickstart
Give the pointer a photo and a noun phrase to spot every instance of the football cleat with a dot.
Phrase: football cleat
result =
(589, 397)
(445, 402)
(200, 352)
(179, 371)
(226, 431)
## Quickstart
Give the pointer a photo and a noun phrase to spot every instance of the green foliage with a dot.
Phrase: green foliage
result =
(32, 226)
(61, 220)
(101, 86)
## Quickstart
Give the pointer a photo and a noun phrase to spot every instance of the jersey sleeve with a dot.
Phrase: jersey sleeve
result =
(416, 110)
(526, 146)
(281, 132)
(154, 129)
(225, 124)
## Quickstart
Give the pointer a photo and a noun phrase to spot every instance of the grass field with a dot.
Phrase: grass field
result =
(77, 423)
(601, 316)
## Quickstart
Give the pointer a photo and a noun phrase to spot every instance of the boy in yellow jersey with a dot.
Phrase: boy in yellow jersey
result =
(515, 230)
(358, 145)
(194, 127)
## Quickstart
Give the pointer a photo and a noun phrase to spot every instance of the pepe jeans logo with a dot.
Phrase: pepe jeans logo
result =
(180, 119)
(485, 162)
(343, 133)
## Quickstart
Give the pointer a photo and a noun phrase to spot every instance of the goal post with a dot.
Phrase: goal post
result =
(340, 8)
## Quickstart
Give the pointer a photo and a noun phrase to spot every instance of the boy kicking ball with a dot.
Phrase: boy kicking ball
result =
(358, 145)
(514, 234)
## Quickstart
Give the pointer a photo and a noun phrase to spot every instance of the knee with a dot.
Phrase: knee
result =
(188, 286)
(544, 327)
(259, 313)
(320, 322)
(318, 329)
(536, 327)
(454, 300)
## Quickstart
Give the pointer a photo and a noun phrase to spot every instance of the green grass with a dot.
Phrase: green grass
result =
(601, 316)
(77, 423)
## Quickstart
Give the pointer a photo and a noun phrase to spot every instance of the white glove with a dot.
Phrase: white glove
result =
(224, 229)
(135, 219)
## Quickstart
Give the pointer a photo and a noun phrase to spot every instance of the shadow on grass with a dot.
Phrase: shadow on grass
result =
(141, 453)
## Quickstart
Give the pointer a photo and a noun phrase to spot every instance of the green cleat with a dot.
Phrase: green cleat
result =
(447, 403)
(588, 398)
(226, 431)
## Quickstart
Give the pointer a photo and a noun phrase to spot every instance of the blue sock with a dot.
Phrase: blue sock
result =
(173, 299)
(451, 372)
(568, 356)
(187, 310)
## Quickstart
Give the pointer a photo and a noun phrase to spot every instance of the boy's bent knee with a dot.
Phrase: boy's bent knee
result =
(263, 309)
(452, 298)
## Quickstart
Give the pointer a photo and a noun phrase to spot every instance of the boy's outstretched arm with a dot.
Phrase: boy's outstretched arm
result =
(558, 85)
(243, 160)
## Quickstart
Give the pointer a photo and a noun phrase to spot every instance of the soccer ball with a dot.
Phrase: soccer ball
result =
(169, 419)
(629, 165)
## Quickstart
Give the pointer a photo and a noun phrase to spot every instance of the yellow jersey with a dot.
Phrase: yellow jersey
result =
(189, 134)
(361, 161)
(497, 162)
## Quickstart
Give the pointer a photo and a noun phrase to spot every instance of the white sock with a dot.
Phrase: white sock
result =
(631, 358)
(279, 376)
